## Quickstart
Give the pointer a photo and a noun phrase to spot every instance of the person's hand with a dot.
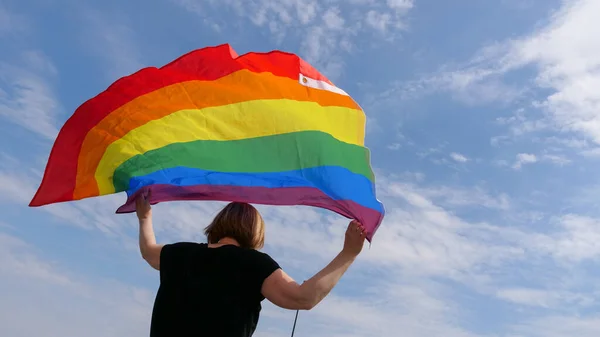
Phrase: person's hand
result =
(142, 206)
(355, 238)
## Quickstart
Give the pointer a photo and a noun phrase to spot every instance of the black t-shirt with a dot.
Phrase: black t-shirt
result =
(212, 292)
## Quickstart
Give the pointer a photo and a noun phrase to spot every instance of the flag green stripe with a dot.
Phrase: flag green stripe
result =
(282, 152)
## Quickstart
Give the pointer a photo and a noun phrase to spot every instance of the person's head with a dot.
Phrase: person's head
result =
(239, 221)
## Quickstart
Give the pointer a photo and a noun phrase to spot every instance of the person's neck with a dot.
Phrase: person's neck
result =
(228, 241)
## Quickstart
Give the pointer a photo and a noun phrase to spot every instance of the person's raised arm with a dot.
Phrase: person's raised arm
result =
(148, 247)
(281, 290)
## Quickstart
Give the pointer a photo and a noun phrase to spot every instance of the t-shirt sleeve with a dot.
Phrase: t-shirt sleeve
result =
(264, 266)
(174, 258)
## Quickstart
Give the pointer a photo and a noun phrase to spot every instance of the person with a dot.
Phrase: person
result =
(216, 288)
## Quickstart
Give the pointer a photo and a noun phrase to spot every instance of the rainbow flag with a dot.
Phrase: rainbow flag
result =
(264, 128)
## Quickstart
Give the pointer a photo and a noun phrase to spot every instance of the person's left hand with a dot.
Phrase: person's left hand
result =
(355, 238)
(142, 205)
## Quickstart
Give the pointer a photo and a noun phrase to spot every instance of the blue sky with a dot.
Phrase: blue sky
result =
(484, 124)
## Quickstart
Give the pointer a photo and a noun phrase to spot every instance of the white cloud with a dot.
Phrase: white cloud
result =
(400, 5)
(394, 146)
(456, 196)
(577, 240)
(564, 55)
(416, 307)
(573, 143)
(332, 19)
(556, 159)
(15, 187)
(458, 157)
(431, 151)
(533, 297)
(378, 21)
(524, 159)
(560, 326)
(472, 85)
(551, 298)
(522, 123)
(94, 213)
(61, 302)
(326, 30)
(16, 259)
(391, 17)
(26, 94)
(423, 238)
(528, 158)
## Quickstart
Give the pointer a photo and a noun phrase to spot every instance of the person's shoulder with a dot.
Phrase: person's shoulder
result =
(262, 257)
(184, 245)
(187, 244)
(257, 253)
(249, 255)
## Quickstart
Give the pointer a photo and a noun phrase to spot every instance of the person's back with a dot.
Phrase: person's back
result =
(216, 289)
(208, 291)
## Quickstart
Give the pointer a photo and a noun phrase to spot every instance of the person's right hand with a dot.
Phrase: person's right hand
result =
(355, 238)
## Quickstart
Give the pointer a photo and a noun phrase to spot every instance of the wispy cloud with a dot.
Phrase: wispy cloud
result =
(451, 196)
(524, 159)
(88, 298)
(15, 187)
(394, 146)
(416, 310)
(458, 157)
(529, 158)
(556, 159)
(425, 239)
(566, 66)
(326, 30)
(544, 298)
(560, 326)
(557, 97)
(390, 18)
(16, 259)
(472, 84)
(566, 71)
(27, 97)
(18, 187)
(529, 297)
(577, 238)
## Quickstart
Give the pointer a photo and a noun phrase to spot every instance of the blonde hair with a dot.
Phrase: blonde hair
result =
(239, 221)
